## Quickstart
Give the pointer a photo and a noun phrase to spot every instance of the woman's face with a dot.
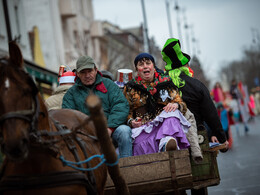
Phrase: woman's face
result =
(145, 69)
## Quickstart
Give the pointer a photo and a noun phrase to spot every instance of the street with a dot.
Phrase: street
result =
(239, 168)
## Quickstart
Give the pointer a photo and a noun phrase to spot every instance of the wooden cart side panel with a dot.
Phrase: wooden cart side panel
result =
(146, 187)
(181, 170)
(142, 159)
(140, 173)
(154, 172)
(183, 166)
(206, 173)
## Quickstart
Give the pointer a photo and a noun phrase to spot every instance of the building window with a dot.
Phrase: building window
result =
(86, 40)
(76, 40)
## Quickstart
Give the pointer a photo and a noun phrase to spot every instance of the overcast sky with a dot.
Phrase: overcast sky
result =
(222, 28)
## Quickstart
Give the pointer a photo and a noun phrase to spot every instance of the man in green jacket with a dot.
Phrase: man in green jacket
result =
(114, 103)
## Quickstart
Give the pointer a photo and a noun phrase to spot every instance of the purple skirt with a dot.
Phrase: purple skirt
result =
(147, 143)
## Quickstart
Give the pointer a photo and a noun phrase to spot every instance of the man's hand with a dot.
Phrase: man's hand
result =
(226, 148)
(215, 139)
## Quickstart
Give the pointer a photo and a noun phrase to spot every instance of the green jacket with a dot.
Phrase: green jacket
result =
(114, 103)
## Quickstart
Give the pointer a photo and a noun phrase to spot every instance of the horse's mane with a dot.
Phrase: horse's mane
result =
(16, 74)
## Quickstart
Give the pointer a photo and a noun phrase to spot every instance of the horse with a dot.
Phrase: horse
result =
(33, 140)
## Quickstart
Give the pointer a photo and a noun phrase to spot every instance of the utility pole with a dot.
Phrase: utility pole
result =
(177, 8)
(145, 30)
(186, 27)
(7, 20)
(169, 18)
(193, 42)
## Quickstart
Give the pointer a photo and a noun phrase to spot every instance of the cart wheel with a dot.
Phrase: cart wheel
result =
(201, 191)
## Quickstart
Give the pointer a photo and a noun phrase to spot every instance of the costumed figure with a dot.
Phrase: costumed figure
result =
(66, 80)
(156, 111)
(193, 92)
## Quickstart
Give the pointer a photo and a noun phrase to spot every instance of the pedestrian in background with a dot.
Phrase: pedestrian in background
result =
(218, 93)
(241, 100)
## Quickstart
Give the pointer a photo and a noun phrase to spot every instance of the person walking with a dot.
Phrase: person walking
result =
(239, 99)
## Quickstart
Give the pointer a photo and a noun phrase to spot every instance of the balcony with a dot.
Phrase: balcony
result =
(67, 8)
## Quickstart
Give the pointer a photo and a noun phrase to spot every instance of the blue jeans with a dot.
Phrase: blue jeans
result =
(122, 136)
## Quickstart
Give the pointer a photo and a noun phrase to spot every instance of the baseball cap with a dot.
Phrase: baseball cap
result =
(84, 62)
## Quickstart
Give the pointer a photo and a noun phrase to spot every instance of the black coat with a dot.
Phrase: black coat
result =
(196, 95)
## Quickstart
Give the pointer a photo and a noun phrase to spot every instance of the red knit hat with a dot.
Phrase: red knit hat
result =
(67, 77)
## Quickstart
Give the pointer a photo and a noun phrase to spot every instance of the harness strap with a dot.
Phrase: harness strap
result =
(22, 114)
(52, 133)
(83, 147)
(14, 115)
(68, 139)
(87, 135)
(50, 180)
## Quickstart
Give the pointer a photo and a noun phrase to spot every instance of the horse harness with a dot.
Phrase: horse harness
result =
(55, 179)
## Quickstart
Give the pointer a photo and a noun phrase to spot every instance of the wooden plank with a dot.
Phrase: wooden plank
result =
(185, 182)
(153, 171)
(183, 166)
(142, 159)
(173, 170)
(144, 172)
(206, 183)
(154, 187)
(148, 187)
(181, 153)
(207, 170)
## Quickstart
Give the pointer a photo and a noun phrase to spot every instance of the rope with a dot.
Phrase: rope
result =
(103, 160)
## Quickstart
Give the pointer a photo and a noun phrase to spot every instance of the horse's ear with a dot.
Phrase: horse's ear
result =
(15, 53)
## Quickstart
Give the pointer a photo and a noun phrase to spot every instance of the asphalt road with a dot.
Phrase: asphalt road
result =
(239, 168)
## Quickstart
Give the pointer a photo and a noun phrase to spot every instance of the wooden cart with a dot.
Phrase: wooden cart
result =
(166, 172)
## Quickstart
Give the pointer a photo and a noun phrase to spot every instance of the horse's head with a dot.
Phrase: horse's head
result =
(17, 105)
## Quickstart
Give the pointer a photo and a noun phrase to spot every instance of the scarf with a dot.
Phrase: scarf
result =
(151, 86)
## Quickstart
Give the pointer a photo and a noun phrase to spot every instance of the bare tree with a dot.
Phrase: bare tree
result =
(198, 71)
(247, 69)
